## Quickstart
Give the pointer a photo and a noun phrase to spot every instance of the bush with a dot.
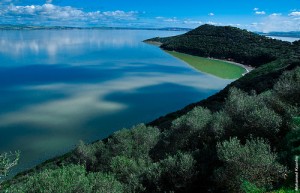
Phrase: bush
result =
(247, 187)
(253, 162)
(219, 124)
(251, 116)
(292, 147)
(128, 171)
(88, 155)
(7, 161)
(70, 179)
(174, 173)
(184, 130)
(134, 143)
(288, 87)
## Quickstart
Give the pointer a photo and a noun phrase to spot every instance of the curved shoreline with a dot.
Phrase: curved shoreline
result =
(247, 68)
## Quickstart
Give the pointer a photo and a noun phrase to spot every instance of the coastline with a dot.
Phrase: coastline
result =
(247, 68)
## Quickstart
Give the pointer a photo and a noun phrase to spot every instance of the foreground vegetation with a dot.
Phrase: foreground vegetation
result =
(243, 139)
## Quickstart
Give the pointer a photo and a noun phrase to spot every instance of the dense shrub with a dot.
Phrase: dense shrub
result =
(128, 171)
(7, 161)
(253, 162)
(251, 116)
(87, 154)
(292, 147)
(174, 173)
(288, 87)
(70, 179)
(184, 129)
(221, 121)
(134, 143)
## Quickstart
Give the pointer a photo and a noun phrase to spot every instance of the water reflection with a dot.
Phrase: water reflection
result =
(58, 87)
(47, 41)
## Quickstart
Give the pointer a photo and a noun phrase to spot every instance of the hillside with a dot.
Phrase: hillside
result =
(243, 139)
(227, 43)
(233, 39)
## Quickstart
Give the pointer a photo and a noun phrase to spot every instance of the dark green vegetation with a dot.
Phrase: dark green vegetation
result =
(227, 43)
(217, 68)
(242, 139)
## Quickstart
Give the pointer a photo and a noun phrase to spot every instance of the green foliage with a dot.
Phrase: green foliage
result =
(7, 161)
(227, 43)
(134, 143)
(174, 173)
(251, 116)
(248, 187)
(221, 122)
(253, 162)
(193, 120)
(296, 121)
(69, 179)
(284, 191)
(288, 87)
(87, 154)
(292, 147)
(128, 171)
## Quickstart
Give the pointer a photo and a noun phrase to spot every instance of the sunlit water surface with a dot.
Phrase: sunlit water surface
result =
(60, 86)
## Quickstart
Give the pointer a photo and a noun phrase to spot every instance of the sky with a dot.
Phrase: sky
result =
(253, 15)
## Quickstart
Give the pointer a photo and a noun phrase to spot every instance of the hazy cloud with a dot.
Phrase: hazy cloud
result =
(260, 12)
(276, 22)
(295, 13)
(211, 14)
(276, 14)
(174, 19)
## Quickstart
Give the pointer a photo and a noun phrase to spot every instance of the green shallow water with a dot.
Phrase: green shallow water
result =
(216, 68)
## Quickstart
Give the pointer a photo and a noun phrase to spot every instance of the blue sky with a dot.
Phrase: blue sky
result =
(254, 15)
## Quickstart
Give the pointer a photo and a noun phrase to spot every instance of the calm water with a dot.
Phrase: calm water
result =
(58, 87)
(288, 39)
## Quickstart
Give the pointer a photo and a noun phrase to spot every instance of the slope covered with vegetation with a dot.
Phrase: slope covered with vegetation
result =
(242, 139)
(227, 43)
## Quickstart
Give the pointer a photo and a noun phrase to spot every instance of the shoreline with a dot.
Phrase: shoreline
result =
(246, 67)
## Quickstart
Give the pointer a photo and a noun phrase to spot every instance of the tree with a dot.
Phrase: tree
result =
(7, 161)
(288, 87)
(253, 162)
(186, 132)
(251, 115)
(174, 173)
(128, 171)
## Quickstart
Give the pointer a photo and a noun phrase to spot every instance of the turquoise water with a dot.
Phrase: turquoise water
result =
(60, 86)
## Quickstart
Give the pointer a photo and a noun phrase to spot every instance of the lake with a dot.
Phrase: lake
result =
(61, 86)
(288, 39)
